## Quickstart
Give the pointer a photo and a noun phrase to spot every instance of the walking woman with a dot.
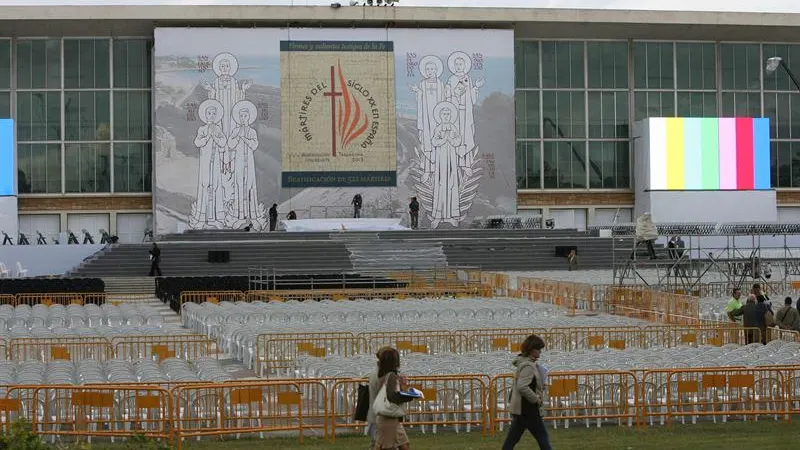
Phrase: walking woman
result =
(527, 396)
(390, 433)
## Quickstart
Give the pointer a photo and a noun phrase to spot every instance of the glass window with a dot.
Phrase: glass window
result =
(131, 115)
(5, 64)
(696, 65)
(780, 80)
(527, 105)
(87, 168)
(653, 65)
(608, 115)
(785, 164)
(86, 64)
(654, 104)
(526, 64)
(132, 167)
(783, 111)
(529, 175)
(697, 104)
(564, 165)
(609, 165)
(5, 105)
(741, 104)
(741, 66)
(132, 60)
(39, 64)
(39, 168)
(562, 64)
(38, 116)
(86, 116)
(607, 64)
(563, 114)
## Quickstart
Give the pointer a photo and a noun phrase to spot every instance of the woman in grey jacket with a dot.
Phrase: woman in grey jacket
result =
(374, 387)
(527, 396)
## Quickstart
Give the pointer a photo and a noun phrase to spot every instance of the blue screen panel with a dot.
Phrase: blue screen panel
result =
(8, 176)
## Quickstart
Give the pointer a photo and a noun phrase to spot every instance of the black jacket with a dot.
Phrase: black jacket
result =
(753, 315)
(273, 213)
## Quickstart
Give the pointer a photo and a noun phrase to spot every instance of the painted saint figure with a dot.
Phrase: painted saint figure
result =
(243, 142)
(463, 93)
(429, 92)
(209, 208)
(447, 158)
(225, 88)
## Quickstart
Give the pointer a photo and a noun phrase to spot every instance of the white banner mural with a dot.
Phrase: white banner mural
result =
(221, 120)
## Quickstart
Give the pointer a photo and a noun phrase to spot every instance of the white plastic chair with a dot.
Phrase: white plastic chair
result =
(20, 271)
(4, 272)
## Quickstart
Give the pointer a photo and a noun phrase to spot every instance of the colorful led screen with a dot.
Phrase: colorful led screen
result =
(8, 184)
(709, 153)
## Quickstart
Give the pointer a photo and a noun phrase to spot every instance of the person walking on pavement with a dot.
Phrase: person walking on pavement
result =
(155, 260)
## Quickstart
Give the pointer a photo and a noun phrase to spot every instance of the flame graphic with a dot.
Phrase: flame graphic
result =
(352, 123)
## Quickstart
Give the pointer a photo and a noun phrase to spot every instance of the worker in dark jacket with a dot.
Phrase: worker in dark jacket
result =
(273, 217)
(755, 314)
(413, 211)
(155, 260)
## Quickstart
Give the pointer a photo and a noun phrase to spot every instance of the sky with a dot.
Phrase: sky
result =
(777, 6)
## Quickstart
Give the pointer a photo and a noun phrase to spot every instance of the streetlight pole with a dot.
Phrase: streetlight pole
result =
(775, 62)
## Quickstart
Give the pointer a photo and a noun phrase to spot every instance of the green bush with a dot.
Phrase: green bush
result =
(20, 436)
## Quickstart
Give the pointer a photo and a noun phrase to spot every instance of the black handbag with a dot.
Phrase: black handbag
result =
(362, 403)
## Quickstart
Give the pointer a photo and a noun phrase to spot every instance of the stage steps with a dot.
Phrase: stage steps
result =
(130, 285)
(382, 256)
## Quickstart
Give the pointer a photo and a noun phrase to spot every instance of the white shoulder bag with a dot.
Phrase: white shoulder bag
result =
(383, 407)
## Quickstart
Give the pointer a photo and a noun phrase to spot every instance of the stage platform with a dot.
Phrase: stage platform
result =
(341, 225)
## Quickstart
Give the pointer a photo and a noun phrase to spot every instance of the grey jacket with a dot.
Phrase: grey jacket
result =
(788, 318)
(527, 371)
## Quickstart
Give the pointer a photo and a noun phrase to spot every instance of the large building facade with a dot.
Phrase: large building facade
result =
(78, 81)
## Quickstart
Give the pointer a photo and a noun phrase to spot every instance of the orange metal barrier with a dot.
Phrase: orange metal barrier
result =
(65, 298)
(431, 342)
(190, 347)
(110, 411)
(456, 403)
(260, 358)
(211, 296)
(596, 338)
(8, 299)
(3, 348)
(280, 355)
(66, 348)
(243, 409)
(441, 289)
(581, 397)
(511, 340)
(572, 296)
(699, 335)
(778, 334)
(650, 305)
(726, 393)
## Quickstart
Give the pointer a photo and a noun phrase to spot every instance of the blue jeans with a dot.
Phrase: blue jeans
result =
(534, 424)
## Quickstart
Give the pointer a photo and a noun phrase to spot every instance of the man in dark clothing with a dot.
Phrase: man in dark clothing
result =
(291, 216)
(155, 260)
(273, 217)
(357, 202)
(7, 239)
(755, 314)
(413, 211)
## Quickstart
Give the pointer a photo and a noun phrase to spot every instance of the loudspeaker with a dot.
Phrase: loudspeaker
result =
(219, 256)
(562, 251)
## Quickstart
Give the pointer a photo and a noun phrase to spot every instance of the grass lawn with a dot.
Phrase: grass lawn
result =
(762, 435)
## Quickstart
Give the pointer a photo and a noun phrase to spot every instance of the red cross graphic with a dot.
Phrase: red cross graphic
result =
(333, 94)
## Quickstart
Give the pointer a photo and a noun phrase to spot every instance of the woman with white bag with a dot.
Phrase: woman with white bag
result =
(388, 403)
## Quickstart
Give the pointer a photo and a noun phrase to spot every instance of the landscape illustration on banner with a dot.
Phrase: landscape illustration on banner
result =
(308, 122)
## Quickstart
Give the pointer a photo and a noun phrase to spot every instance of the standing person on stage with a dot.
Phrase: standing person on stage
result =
(527, 396)
(155, 260)
(357, 203)
(413, 211)
(273, 217)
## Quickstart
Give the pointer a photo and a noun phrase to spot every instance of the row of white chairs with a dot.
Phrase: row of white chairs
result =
(5, 272)
(494, 363)
(76, 316)
(90, 371)
(104, 331)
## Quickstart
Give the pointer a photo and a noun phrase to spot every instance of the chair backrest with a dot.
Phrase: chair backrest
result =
(19, 266)
(3, 267)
